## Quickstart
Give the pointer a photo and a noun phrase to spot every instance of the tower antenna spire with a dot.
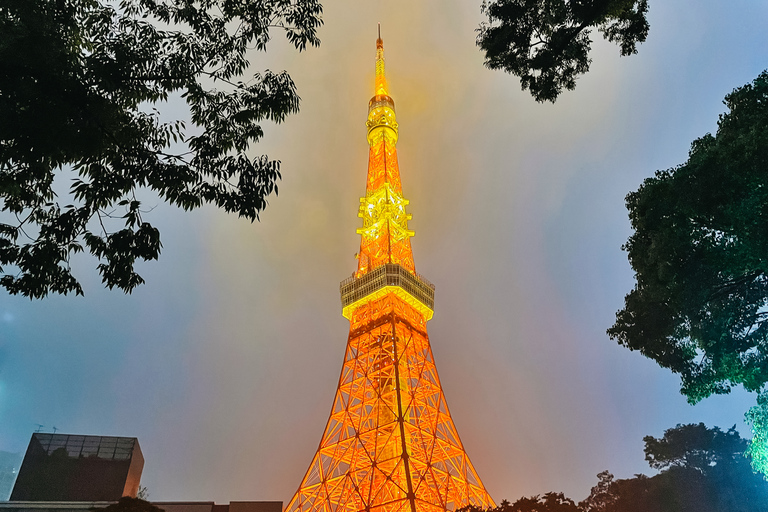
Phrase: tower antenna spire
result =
(379, 30)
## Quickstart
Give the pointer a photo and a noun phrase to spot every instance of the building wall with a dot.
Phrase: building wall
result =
(167, 506)
(64, 467)
(255, 506)
(52, 506)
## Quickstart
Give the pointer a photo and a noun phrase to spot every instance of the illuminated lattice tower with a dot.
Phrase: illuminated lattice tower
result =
(390, 444)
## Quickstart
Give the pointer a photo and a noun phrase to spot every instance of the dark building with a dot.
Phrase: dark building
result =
(69, 473)
(63, 467)
(167, 506)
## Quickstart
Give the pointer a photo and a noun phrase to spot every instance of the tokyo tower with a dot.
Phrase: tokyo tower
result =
(390, 444)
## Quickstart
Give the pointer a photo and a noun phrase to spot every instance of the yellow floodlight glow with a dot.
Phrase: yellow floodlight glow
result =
(398, 292)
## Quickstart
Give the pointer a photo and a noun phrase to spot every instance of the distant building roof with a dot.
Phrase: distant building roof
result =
(167, 506)
(103, 447)
(68, 467)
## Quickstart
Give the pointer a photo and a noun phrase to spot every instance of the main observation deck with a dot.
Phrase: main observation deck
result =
(388, 278)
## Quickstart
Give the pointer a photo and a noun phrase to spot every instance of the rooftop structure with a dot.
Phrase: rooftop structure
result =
(64, 467)
(167, 506)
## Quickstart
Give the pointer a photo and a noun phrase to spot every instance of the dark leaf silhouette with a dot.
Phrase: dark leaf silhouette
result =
(81, 82)
(546, 43)
(700, 255)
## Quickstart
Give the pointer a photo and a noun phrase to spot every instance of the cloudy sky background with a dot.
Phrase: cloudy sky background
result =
(225, 363)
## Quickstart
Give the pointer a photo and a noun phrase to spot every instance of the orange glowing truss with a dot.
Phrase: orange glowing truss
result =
(390, 444)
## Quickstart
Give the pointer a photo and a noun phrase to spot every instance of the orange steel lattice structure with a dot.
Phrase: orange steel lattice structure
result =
(390, 444)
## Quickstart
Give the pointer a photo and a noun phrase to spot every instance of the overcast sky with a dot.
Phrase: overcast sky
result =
(225, 363)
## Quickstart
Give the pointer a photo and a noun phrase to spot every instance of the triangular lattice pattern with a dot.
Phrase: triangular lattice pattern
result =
(390, 443)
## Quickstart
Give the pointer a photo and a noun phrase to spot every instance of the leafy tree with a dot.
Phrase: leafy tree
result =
(143, 493)
(757, 418)
(128, 504)
(602, 495)
(702, 470)
(700, 255)
(547, 42)
(694, 446)
(550, 502)
(81, 82)
(676, 490)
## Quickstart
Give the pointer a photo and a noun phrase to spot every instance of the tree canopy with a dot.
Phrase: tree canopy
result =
(694, 446)
(757, 418)
(549, 502)
(81, 82)
(702, 470)
(700, 255)
(128, 504)
(546, 43)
